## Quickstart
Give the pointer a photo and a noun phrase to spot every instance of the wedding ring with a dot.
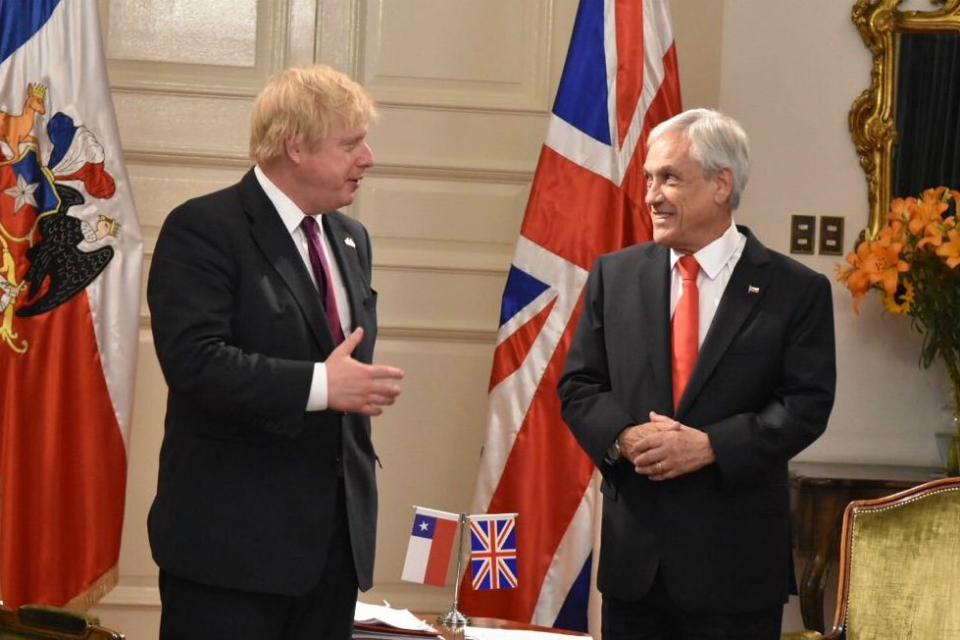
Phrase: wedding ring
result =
(660, 467)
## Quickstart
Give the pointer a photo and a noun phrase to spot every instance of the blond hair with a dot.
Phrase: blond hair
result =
(302, 103)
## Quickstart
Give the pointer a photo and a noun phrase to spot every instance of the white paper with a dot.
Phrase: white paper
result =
(399, 618)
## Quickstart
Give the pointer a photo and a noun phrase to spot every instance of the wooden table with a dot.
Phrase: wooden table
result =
(820, 494)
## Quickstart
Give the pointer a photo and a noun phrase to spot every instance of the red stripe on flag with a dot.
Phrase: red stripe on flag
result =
(439, 560)
(62, 461)
(544, 457)
(578, 214)
(666, 103)
(629, 62)
(510, 353)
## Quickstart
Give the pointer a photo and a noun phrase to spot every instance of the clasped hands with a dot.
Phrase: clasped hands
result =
(663, 448)
(356, 387)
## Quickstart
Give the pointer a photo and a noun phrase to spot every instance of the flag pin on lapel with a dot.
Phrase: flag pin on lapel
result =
(753, 289)
(349, 242)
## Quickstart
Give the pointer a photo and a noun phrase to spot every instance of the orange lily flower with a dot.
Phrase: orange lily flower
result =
(950, 251)
(874, 263)
(926, 218)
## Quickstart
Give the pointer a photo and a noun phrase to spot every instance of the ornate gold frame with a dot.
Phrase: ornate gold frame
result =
(872, 123)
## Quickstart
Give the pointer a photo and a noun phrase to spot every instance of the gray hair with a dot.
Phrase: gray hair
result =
(716, 141)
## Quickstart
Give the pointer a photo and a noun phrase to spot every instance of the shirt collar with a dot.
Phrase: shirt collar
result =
(713, 257)
(290, 213)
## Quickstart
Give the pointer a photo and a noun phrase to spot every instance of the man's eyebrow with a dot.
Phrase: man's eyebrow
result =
(662, 169)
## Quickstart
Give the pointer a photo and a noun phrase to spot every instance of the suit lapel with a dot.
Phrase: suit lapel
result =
(277, 246)
(748, 282)
(655, 291)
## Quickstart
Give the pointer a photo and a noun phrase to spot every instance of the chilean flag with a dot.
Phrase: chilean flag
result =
(431, 541)
(587, 198)
(71, 252)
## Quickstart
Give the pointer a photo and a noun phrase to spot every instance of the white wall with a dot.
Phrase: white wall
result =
(789, 73)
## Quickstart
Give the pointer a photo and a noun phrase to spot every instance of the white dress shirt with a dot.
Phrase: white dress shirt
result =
(292, 216)
(716, 261)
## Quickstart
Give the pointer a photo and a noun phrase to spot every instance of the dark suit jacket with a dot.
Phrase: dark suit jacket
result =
(248, 478)
(762, 389)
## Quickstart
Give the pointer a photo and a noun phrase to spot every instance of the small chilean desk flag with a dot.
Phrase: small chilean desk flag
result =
(431, 541)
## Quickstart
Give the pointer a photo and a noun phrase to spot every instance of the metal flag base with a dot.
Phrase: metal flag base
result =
(453, 619)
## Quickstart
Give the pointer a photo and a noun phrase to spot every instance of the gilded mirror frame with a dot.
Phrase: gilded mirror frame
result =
(872, 119)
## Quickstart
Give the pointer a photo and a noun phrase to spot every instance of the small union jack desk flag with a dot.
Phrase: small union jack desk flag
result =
(493, 551)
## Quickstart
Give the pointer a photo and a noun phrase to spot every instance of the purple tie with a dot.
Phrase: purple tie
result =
(321, 271)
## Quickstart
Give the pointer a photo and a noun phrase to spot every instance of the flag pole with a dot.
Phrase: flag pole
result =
(453, 619)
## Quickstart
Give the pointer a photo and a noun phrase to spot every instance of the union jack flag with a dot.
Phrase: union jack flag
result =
(587, 198)
(493, 551)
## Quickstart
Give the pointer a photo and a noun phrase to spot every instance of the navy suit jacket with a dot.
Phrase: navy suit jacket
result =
(248, 478)
(762, 389)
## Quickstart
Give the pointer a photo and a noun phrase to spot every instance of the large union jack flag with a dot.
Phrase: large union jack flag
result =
(493, 551)
(620, 80)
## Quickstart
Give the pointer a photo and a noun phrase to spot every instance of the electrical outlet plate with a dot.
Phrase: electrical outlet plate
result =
(803, 230)
(831, 236)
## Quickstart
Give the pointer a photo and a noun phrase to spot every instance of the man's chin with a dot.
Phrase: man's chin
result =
(661, 236)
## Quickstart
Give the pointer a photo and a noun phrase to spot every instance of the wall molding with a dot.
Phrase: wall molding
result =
(160, 156)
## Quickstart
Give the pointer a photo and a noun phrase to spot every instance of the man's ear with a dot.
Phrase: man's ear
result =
(723, 178)
(292, 150)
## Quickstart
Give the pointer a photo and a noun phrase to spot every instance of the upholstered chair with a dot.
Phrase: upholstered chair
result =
(899, 567)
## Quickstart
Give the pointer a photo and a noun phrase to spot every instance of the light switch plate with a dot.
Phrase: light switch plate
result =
(803, 230)
(831, 236)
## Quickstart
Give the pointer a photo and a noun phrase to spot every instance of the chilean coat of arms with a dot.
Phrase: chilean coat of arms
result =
(47, 255)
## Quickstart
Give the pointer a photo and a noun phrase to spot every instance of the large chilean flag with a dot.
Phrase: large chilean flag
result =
(619, 81)
(69, 304)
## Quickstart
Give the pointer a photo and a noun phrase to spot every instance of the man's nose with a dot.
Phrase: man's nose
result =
(366, 156)
(653, 193)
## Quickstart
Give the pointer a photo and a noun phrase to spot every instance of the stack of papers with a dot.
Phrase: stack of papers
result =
(376, 622)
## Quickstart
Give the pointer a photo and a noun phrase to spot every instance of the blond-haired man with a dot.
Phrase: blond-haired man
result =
(264, 322)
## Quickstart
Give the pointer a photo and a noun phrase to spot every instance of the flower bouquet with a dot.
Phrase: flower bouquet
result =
(913, 262)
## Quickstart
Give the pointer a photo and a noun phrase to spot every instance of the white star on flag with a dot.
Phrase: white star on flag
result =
(22, 194)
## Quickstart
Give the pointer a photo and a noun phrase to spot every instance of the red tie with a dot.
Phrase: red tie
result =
(686, 328)
(321, 271)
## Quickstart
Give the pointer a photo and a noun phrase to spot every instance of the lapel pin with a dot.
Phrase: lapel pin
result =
(753, 289)
(349, 242)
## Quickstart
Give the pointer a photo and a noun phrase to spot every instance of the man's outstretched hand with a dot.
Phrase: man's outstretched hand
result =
(356, 387)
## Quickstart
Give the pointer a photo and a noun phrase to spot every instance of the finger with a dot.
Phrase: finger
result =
(380, 371)
(371, 410)
(383, 400)
(658, 417)
(349, 343)
(383, 389)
